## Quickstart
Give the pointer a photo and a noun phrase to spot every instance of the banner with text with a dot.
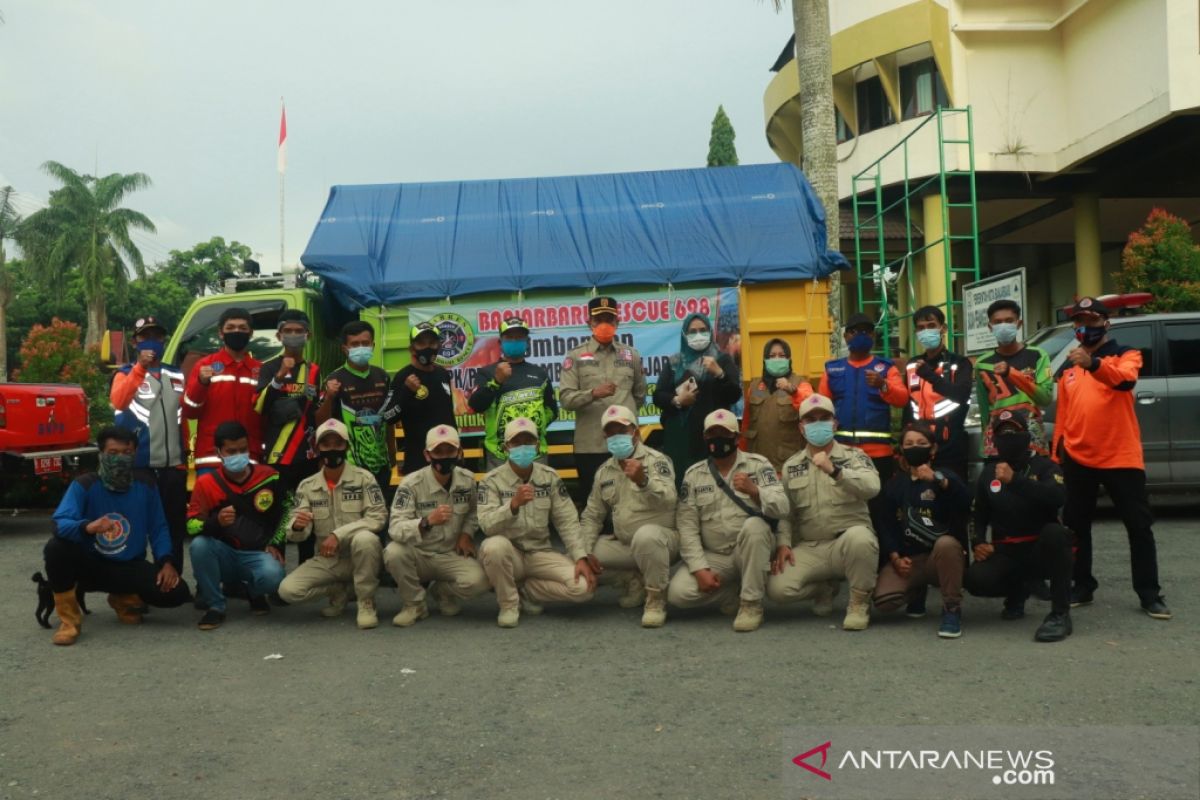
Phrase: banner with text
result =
(651, 321)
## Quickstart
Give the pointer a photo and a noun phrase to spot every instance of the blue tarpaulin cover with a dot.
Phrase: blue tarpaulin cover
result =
(394, 243)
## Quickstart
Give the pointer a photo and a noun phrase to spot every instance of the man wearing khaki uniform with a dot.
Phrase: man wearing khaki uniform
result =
(343, 505)
(597, 375)
(827, 537)
(433, 528)
(723, 545)
(517, 502)
(637, 486)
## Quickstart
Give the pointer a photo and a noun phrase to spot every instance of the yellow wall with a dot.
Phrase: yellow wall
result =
(795, 311)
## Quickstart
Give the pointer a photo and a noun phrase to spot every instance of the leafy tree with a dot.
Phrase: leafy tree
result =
(9, 219)
(85, 229)
(1162, 258)
(53, 354)
(205, 267)
(721, 152)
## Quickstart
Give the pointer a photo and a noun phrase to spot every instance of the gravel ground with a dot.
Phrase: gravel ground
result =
(580, 702)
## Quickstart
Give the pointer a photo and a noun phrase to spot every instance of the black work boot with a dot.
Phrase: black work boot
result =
(1054, 628)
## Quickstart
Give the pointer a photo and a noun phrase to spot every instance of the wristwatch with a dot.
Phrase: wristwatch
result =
(837, 472)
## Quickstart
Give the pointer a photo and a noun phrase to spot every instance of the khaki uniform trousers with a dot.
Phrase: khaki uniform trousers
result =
(743, 571)
(461, 576)
(650, 552)
(852, 557)
(548, 575)
(360, 567)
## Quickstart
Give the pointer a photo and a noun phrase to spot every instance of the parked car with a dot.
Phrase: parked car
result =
(1167, 392)
(43, 430)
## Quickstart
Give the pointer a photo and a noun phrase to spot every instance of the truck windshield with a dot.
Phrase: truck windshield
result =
(199, 338)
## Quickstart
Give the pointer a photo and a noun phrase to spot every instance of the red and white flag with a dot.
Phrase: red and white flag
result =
(282, 138)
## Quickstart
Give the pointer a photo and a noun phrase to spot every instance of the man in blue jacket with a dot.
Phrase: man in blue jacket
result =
(101, 528)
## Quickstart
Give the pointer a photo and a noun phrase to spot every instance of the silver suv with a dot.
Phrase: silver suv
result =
(1167, 392)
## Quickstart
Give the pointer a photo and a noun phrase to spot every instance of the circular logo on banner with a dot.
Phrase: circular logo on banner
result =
(263, 499)
(458, 338)
(115, 539)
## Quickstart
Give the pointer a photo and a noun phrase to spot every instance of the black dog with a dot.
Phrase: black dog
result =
(46, 600)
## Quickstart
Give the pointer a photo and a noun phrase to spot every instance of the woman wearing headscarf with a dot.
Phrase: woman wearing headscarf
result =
(771, 421)
(695, 381)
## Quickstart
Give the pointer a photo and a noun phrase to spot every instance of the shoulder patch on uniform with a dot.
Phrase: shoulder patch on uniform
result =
(768, 477)
(404, 497)
(684, 491)
(481, 494)
(662, 468)
(562, 490)
(374, 495)
(568, 362)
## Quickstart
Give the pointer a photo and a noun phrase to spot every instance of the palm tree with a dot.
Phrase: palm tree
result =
(814, 60)
(9, 219)
(85, 228)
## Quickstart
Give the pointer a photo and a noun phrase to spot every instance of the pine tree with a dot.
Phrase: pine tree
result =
(721, 152)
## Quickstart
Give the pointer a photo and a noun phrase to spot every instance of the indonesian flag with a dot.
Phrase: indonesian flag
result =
(282, 138)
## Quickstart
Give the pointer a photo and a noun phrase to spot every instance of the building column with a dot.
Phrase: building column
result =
(933, 289)
(1088, 278)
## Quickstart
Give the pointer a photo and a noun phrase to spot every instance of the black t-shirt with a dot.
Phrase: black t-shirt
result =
(359, 405)
(417, 412)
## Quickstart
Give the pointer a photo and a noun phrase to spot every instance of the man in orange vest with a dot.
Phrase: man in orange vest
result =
(1098, 442)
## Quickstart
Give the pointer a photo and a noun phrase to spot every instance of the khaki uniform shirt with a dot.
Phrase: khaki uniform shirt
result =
(418, 495)
(355, 504)
(821, 506)
(586, 367)
(632, 506)
(772, 421)
(529, 528)
(709, 520)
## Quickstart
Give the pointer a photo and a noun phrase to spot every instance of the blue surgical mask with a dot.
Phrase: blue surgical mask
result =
(1005, 332)
(819, 433)
(523, 454)
(861, 342)
(514, 348)
(620, 445)
(154, 346)
(930, 339)
(360, 356)
(236, 463)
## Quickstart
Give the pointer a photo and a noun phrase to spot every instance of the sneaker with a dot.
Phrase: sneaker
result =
(1054, 628)
(1012, 612)
(1157, 609)
(654, 615)
(211, 619)
(951, 627)
(337, 601)
(749, 616)
(1080, 597)
(822, 602)
(448, 604)
(530, 607)
(366, 618)
(411, 614)
(915, 608)
(508, 617)
(259, 605)
(634, 593)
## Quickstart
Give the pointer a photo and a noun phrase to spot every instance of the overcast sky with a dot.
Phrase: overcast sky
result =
(376, 92)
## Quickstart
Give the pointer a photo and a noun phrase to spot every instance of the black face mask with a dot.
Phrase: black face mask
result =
(917, 456)
(333, 458)
(1013, 448)
(444, 465)
(721, 447)
(237, 340)
(425, 355)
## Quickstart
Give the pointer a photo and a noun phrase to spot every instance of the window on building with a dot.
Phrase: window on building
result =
(874, 112)
(921, 89)
(844, 134)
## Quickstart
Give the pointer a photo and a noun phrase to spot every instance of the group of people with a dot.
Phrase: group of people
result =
(805, 493)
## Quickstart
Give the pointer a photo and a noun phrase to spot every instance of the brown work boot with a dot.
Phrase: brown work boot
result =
(858, 613)
(634, 593)
(128, 608)
(411, 614)
(70, 617)
(749, 616)
(366, 618)
(822, 602)
(654, 615)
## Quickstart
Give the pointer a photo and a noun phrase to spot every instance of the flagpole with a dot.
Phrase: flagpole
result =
(282, 263)
(282, 169)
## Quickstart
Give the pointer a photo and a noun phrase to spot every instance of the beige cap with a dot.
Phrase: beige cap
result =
(816, 402)
(618, 413)
(721, 419)
(332, 426)
(518, 426)
(441, 434)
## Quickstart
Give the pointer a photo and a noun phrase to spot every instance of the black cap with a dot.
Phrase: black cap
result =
(293, 315)
(601, 305)
(859, 320)
(146, 323)
(1011, 416)
(1089, 305)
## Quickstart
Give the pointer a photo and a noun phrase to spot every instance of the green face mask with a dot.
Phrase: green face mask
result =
(116, 471)
(779, 367)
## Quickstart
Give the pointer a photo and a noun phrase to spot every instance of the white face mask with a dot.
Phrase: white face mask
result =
(699, 340)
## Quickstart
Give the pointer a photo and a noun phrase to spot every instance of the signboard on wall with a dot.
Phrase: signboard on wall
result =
(981, 294)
